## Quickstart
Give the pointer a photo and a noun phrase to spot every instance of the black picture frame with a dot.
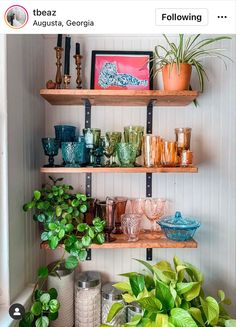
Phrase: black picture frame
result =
(95, 53)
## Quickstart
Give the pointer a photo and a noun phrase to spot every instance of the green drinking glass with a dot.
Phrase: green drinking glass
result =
(92, 138)
(126, 153)
(134, 135)
(110, 142)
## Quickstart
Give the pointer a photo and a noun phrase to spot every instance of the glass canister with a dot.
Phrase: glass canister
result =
(65, 289)
(133, 310)
(88, 299)
(183, 137)
(111, 295)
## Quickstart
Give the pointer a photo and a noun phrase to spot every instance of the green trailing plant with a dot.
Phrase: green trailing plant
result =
(171, 296)
(189, 50)
(61, 213)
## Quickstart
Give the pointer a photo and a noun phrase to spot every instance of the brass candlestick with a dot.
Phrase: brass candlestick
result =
(66, 81)
(78, 68)
(58, 64)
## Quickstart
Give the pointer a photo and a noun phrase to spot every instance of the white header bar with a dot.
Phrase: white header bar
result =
(117, 17)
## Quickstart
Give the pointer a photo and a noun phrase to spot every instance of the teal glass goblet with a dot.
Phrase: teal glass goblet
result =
(51, 147)
(126, 153)
(110, 142)
(134, 135)
(73, 154)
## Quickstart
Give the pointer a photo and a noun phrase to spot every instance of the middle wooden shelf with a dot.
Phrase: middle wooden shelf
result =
(69, 170)
(146, 240)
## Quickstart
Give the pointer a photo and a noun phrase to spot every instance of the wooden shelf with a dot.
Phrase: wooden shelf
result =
(69, 170)
(147, 240)
(118, 97)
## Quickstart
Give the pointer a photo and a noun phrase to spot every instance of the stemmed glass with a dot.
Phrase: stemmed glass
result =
(51, 147)
(92, 138)
(110, 142)
(154, 209)
(134, 135)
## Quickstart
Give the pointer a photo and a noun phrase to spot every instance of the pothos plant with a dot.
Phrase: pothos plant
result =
(61, 214)
(171, 297)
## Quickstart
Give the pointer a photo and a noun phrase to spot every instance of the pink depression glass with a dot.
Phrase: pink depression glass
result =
(154, 209)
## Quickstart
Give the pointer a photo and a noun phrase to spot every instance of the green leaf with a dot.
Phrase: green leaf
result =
(71, 262)
(44, 236)
(53, 242)
(58, 211)
(83, 255)
(27, 321)
(43, 272)
(36, 308)
(128, 298)
(151, 304)
(163, 294)
(69, 228)
(100, 238)
(230, 323)
(75, 203)
(116, 307)
(45, 298)
(91, 233)
(181, 318)
(86, 240)
(211, 310)
(41, 218)
(83, 208)
(189, 290)
(37, 294)
(135, 321)
(54, 306)
(61, 233)
(53, 316)
(221, 295)
(137, 283)
(197, 315)
(123, 286)
(161, 320)
(52, 226)
(82, 227)
(53, 293)
(194, 273)
(161, 276)
(42, 322)
(146, 264)
(37, 195)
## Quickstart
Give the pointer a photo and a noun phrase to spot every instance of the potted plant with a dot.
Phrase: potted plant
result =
(171, 297)
(60, 213)
(175, 61)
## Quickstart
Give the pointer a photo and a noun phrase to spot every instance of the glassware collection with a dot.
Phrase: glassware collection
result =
(93, 149)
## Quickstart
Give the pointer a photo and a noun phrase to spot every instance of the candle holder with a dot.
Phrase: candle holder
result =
(78, 68)
(58, 64)
(66, 81)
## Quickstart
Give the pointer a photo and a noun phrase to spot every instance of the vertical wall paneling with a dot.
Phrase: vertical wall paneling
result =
(25, 76)
(209, 195)
(4, 239)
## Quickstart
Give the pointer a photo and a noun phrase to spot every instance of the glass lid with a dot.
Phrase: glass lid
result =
(178, 221)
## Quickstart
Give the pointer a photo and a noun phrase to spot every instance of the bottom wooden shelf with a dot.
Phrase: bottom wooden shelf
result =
(146, 240)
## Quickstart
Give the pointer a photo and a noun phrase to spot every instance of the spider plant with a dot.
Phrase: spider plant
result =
(189, 50)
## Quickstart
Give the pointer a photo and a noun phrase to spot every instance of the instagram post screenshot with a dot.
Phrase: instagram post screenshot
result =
(118, 163)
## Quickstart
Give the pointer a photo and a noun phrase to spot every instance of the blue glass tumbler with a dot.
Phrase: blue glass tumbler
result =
(65, 133)
(51, 147)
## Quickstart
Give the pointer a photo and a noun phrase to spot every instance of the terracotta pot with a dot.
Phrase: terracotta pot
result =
(174, 80)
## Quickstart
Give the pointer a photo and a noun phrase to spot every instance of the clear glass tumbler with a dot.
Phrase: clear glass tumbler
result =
(131, 224)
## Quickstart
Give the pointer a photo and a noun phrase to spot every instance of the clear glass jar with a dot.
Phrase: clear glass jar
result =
(133, 310)
(88, 299)
(65, 289)
(111, 295)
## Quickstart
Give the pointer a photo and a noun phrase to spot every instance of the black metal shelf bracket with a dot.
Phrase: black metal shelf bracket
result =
(149, 175)
(88, 177)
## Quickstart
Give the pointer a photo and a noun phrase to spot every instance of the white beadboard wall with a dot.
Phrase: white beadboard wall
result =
(209, 195)
(25, 76)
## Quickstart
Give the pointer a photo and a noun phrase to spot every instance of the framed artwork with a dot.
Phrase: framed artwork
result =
(121, 70)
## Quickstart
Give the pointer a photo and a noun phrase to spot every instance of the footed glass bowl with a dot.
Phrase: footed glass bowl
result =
(178, 228)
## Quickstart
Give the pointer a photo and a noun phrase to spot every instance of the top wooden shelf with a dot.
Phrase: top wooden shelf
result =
(118, 97)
